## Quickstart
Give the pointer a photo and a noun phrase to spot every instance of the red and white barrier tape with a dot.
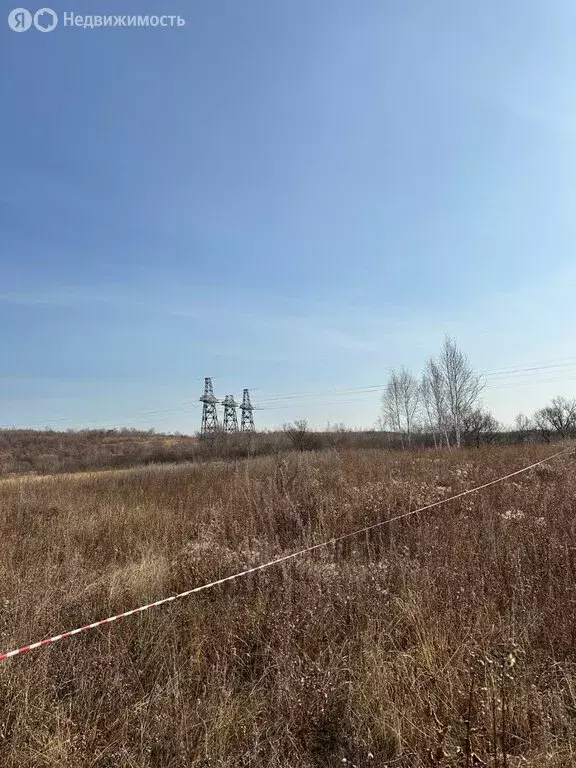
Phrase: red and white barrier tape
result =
(142, 608)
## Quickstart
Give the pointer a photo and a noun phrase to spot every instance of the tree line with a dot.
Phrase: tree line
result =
(444, 405)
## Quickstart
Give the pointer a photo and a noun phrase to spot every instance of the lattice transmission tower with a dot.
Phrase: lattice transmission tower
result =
(230, 418)
(209, 412)
(247, 422)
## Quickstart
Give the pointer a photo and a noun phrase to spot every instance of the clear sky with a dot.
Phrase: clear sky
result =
(289, 195)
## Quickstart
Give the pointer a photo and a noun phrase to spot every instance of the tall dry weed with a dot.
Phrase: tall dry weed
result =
(447, 639)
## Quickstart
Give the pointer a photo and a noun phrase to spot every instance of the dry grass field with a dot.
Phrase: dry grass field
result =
(444, 640)
(27, 451)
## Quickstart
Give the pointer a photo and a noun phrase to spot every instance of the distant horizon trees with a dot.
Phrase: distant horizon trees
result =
(444, 403)
(558, 418)
(400, 403)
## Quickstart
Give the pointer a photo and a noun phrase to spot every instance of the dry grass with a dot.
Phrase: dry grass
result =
(26, 451)
(438, 641)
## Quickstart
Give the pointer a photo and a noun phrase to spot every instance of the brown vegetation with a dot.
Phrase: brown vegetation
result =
(444, 640)
(27, 451)
(33, 452)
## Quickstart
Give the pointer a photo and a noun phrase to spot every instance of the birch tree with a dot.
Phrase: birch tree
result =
(433, 399)
(400, 403)
(391, 411)
(523, 425)
(461, 385)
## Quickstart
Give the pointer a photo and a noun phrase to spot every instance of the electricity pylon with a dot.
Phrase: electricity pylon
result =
(209, 412)
(247, 422)
(230, 418)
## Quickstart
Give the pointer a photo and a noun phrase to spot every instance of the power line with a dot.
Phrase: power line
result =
(520, 371)
(549, 363)
(499, 378)
(273, 399)
(334, 391)
(319, 404)
(513, 384)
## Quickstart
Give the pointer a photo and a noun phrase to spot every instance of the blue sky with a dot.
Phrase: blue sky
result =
(289, 196)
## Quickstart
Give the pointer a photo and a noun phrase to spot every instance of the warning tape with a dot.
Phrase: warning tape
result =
(283, 559)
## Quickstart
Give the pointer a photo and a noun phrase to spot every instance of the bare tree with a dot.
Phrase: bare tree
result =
(338, 426)
(559, 417)
(491, 427)
(433, 399)
(462, 386)
(410, 401)
(428, 406)
(478, 427)
(400, 403)
(391, 407)
(523, 426)
(298, 434)
(543, 424)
